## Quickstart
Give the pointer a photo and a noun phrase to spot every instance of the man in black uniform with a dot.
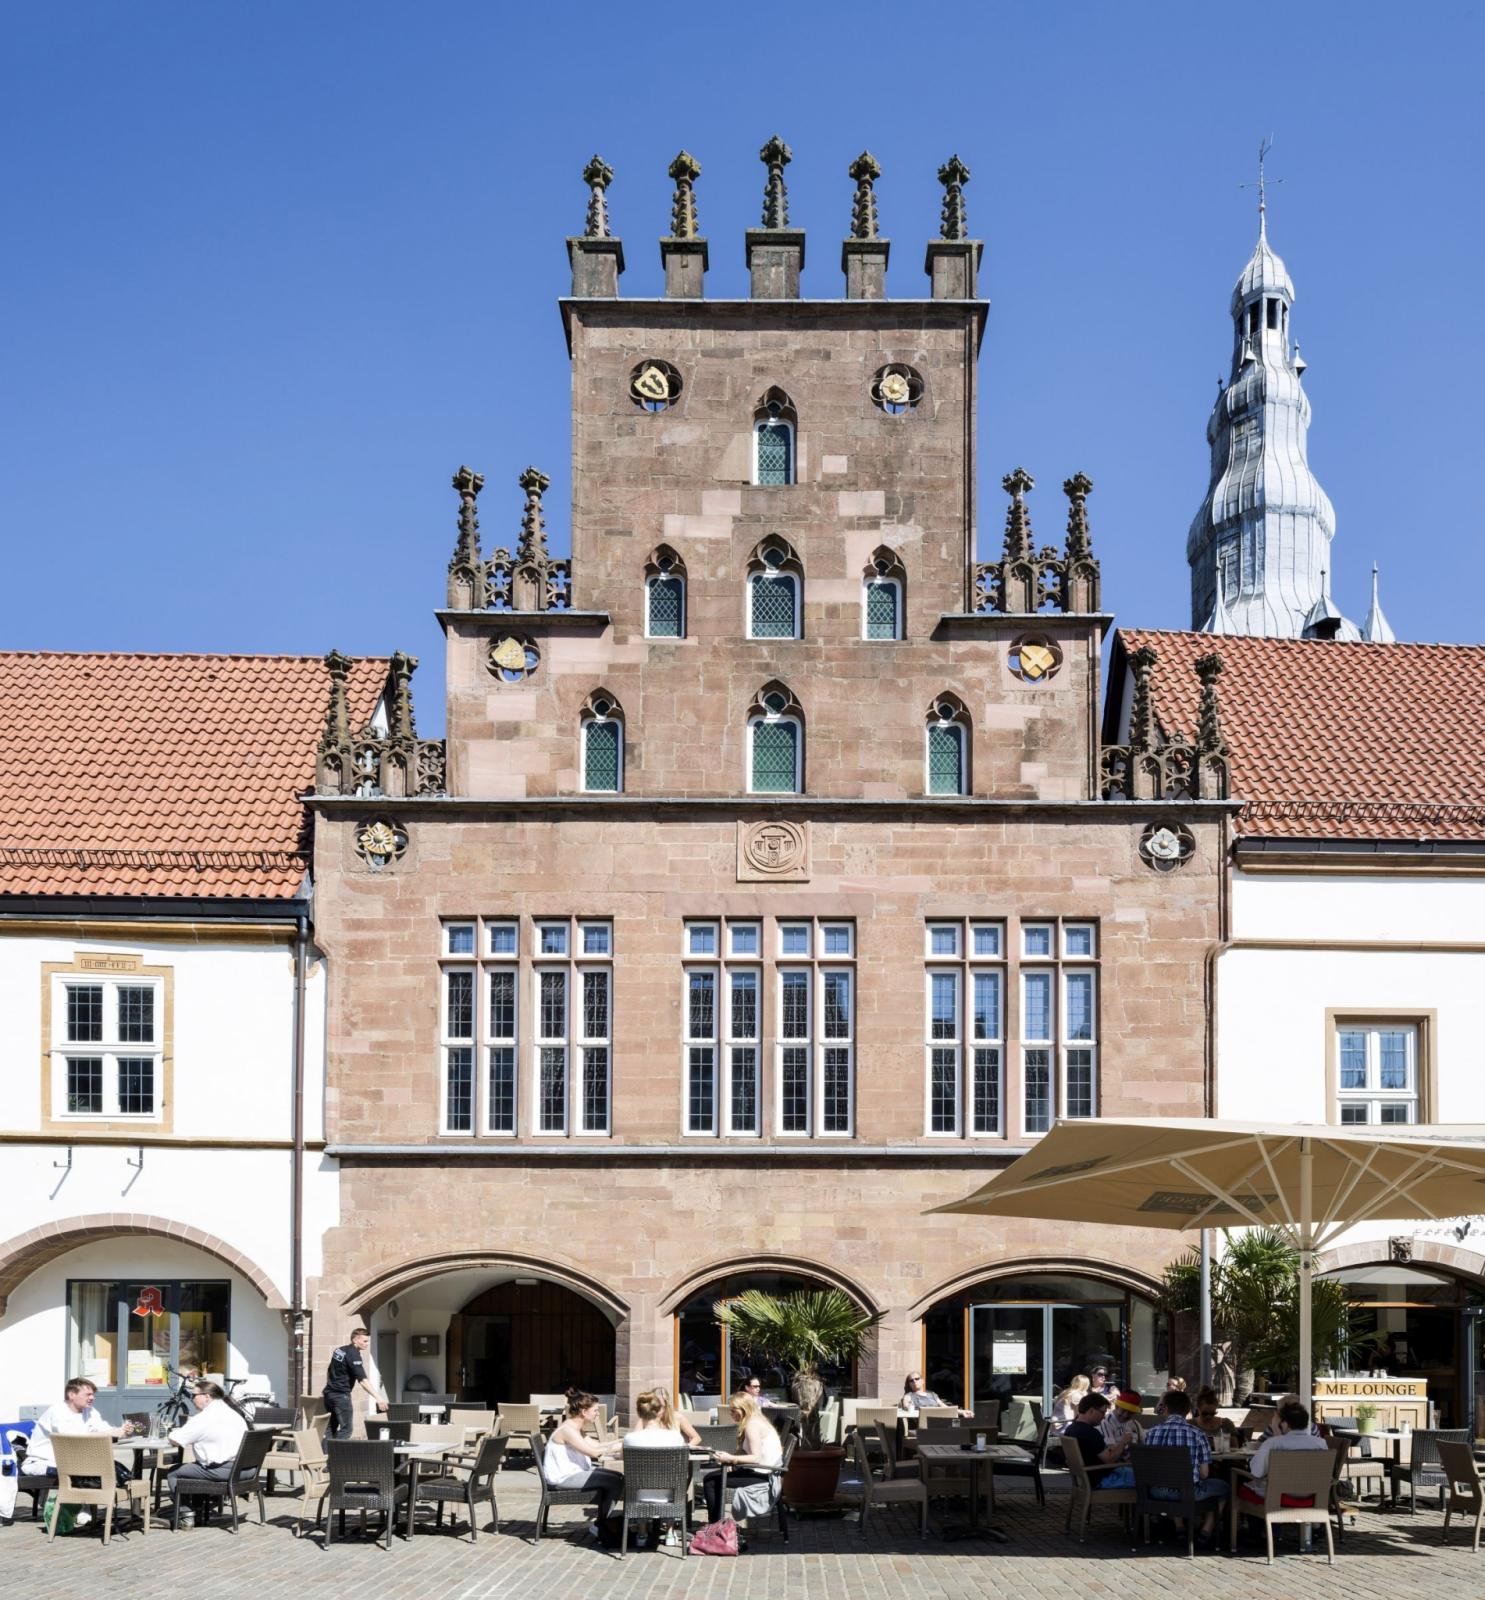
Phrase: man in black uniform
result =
(345, 1374)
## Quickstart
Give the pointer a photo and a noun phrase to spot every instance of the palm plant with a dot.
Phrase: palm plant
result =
(799, 1330)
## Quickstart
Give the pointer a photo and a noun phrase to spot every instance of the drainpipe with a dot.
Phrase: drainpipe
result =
(296, 1179)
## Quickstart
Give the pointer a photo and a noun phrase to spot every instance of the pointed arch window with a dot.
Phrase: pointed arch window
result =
(602, 745)
(882, 597)
(774, 425)
(775, 743)
(946, 757)
(665, 595)
(774, 592)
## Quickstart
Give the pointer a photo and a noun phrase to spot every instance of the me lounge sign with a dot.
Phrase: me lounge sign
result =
(1372, 1388)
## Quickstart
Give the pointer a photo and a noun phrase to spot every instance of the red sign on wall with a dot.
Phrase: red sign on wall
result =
(151, 1302)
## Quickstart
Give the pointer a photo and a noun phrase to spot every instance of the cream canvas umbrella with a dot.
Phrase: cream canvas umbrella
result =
(1310, 1181)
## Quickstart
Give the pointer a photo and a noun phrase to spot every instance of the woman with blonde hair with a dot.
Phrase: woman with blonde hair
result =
(655, 1428)
(758, 1450)
(676, 1419)
(1065, 1406)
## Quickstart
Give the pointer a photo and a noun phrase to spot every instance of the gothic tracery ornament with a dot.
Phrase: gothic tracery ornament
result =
(380, 842)
(1166, 846)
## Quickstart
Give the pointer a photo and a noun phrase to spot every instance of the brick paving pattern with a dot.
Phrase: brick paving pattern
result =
(825, 1557)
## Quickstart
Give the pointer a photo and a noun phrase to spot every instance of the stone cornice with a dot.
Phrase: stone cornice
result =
(921, 806)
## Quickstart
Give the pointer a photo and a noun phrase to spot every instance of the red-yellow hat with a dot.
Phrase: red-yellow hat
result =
(1129, 1400)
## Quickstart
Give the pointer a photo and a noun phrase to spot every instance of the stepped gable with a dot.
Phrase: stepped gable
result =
(161, 775)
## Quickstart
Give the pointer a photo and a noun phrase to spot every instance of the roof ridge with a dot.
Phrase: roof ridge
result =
(172, 655)
(1220, 642)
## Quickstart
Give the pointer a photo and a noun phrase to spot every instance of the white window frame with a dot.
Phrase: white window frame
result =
(712, 970)
(749, 969)
(587, 1043)
(781, 574)
(818, 968)
(541, 1040)
(826, 1043)
(759, 424)
(1373, 1097)
(1060, 965)
(979, 967)
(793, 968)
(961, 734)
(449, 1041)
(506, 963)
(591, 719)
(665, 577)
(965, 965)
(460, 926)
(880, 581)
(110, 1049)
(761, 718)
(951, 1044)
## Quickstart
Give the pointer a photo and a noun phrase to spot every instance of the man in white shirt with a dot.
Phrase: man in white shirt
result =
(214, 1434)
(1294, 1434)
(76, 1414)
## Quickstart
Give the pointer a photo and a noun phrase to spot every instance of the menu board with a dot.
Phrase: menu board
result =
(1008, 1354)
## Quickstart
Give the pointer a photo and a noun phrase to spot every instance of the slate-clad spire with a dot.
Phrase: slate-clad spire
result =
(1376, 629)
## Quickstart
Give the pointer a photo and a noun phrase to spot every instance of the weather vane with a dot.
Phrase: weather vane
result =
(1264, 146)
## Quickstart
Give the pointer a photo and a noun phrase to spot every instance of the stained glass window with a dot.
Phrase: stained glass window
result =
(773, 605)
(881, 609)
(945, 759)
(775, 453)
(775, 757)
(666, 608)
(601, 745)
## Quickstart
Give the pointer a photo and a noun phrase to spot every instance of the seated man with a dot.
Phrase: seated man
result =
(1176, 1428)
(215, 1432)
(1097, 1453)
(1295, 1433)
(76, 1414)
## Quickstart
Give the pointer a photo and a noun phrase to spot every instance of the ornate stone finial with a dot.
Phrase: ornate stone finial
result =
(533, 545)
(1018, 545)
(954, 221)
(337, 733)
(1143, 734)
(865, 169)
(467, 485)
(402, 724)
(1077, 489)
(597, 175)
(775, 155)
(684, 171)
(1209, 740)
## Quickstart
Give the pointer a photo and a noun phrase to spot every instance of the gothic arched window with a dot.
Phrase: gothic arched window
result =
(774, 425)
(882, 592)
(946, 753)
(602, 745)
(775, 743)
(775, 591)
(665, 595)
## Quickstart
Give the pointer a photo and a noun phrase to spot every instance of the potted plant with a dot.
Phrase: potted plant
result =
(800, 1331)
(1366, 1417)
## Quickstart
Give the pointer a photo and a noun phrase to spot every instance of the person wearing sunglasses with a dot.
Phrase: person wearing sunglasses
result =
(916, 1394)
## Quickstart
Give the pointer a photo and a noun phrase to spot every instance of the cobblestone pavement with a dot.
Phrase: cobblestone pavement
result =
(1386, 1555)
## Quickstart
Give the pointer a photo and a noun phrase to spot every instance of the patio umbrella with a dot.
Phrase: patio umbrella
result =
(1310, 1181)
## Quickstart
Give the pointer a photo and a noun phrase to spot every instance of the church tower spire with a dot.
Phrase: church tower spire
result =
(1260, 544)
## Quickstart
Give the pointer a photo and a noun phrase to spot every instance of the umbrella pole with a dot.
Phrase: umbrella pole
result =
(1206, 1307)
(1306, 1267)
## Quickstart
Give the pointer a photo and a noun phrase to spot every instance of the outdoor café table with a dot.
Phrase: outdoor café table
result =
(413, 1455)
(1392, 1438)
(432, 1413)
(140, 1448)
(956, 1456)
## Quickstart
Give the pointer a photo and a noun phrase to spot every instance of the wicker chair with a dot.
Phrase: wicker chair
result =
(273, 1416)
(1035, 1466)
(478, 1485)
(314, 1476)
(245, 1478)
(1465, 1490)
(1300, 1474)
(551, 1494)
(392, 1432)
(288, 1453)
(85, 1477)
(519, 1422)
(936, 1417)
(860, 1488)
(657, 1487)
(718, 1435)
(362, 1477)
(896, 1467)
(444, 1434)
(1423, 1469)
(1358, 1465)
(1166, 1467)
(987, 1414)
(1081, 1501)
(402, 1411)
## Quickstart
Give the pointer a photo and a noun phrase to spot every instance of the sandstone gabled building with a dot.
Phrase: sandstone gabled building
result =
(780, 889)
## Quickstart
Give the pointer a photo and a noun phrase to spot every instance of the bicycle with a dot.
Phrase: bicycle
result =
(175, 1410)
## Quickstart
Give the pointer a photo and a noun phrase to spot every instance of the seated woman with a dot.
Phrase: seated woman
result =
(572, 1457)
(758, 1449)
(1205, 1416)
(1065, 1406)
(671, 1418)
(656, 1429)
(916, 1394)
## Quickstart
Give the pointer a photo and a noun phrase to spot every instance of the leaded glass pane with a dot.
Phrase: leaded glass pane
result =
(836, 1111)
(944, 991)
(772, 597)
(775, 453)
(595, 1089)
(595, 1005)
(1038, 1076)
(701, 1081)
(502, 1106)
(837, 988)
(702, 1016)
(1079, 1083)
(460, 1020)
(1079, 1017)
(745, 1090)
(553, 1090)
(945, 759)
(986, 1091)
(943, 1089)
(665, 608)
(1037, 1019)
(774, 750)
(502, 1003)
(881, 611)
(794, 1090)
(553, 1005)
(460, 1090)
(601, 757)
(744, 1005)
(795, 994)
(987, 1005)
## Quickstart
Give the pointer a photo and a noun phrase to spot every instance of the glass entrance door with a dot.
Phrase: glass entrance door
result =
(1031, 1352)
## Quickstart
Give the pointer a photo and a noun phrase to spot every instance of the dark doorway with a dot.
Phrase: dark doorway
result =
(520, 1339)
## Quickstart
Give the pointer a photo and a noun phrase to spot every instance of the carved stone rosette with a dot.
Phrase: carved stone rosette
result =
(773, 851)
(380, 843)
(1167, 846)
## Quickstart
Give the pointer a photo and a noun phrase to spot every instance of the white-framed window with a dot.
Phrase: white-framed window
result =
(815, 1030)
(744, 939)
(1377, 1072)
(775, 747)
(722, 1031)
(503, 1041)
(595, 1049)
(743, 1086)
(603, 747)
(881, 608)
(964, 1006)
(457, 1048)
(502, 938)
(107, 1048)
(773, 448)
(1059, 1022)
(773, 597)
(699, 1022)
(458, 938)
(549, 1051)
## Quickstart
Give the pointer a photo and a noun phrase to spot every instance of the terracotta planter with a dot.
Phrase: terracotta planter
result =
(812, 1477)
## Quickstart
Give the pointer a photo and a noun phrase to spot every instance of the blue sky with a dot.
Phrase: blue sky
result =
(272, 271)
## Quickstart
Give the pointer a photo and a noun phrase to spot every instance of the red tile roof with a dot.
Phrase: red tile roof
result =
(1333, 740)
(169, 775)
